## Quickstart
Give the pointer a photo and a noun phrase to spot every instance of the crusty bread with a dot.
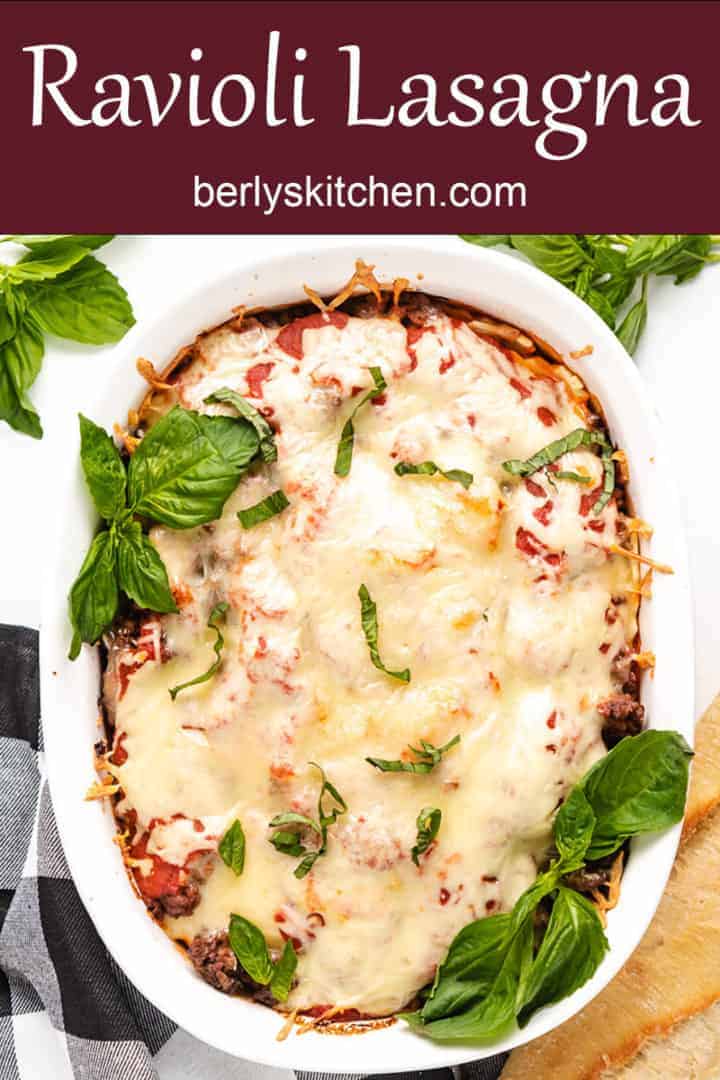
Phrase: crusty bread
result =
(704, 793)
(673, 974)
(691, 1051)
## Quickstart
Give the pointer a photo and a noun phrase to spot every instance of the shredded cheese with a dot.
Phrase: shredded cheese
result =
(661, 568)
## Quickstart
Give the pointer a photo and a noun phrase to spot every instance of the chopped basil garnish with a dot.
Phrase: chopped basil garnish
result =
(427, 758)
(428, 824)
(576, 477)
(495, 971)
(231, 848)
(226, 396)
(368, 617)
(554, 450)
(216, 615)
(429, 468)
(264, 510)
(343, 460)
(250, 948)
(288, 841)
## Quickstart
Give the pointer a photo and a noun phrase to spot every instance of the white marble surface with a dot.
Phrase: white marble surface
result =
(679, 359)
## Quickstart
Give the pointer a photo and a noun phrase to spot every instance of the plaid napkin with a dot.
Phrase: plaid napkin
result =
(66, 1009)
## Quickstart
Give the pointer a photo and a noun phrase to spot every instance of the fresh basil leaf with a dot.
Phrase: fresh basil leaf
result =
(103, 469)
(429, 468)
(631, 328)
(649, 251)
(573, 829)
(687, 263)
(343, 459)
(638, 787)
(284, 973)
(491, 240)
(558, 254)
(427, 757)
(601, 305)
(20, 360)
(470, 968)
(231, 848)
(608, 260)
(87, 304)
(262, 511)
(495, 1010)
(583, 281)
(554, 450)
(616, 289)
(250, 948)
(7, 315)
(41, 266)
(368, 617)
(528, 901)
(94, 594)
(428, 826)
(216, 615)
(141, 571)
(570, 953)
(46, 245)
(187, 465)
(226, 396)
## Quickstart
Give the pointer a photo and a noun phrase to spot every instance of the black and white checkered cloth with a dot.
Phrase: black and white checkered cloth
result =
(65, 1007)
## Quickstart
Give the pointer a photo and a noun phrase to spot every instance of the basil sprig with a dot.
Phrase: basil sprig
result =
(428, 826)
(217, 615)
(343, 459)
(608, 270)
(226, 396)
(262, 511)
(554, 450)
(427, 757)
(250, 948)
(288, 841)
(180, 474)
(57, 287)
(231, 848)
(494, 971)
(368, 618)
(429, 468)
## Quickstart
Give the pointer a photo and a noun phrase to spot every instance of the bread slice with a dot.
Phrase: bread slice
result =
(691, 1051)
(675, 971)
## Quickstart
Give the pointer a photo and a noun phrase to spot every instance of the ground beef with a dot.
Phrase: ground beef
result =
(183, 902)
(217, 964)
(624, 672)
(588, 878)
(419, 309)
(594, 875)
(363, 307)
(623, 715)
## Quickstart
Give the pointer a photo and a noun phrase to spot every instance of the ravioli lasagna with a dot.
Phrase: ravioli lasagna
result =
(442, 714)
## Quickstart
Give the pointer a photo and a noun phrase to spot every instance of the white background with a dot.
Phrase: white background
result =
(679, 359)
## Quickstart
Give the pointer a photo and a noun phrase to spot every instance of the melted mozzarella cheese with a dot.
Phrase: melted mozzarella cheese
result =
(503, 647)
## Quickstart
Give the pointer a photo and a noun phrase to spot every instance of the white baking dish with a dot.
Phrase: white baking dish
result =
(503, 287)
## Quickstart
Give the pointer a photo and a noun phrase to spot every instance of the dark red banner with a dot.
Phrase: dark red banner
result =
(343, 117)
